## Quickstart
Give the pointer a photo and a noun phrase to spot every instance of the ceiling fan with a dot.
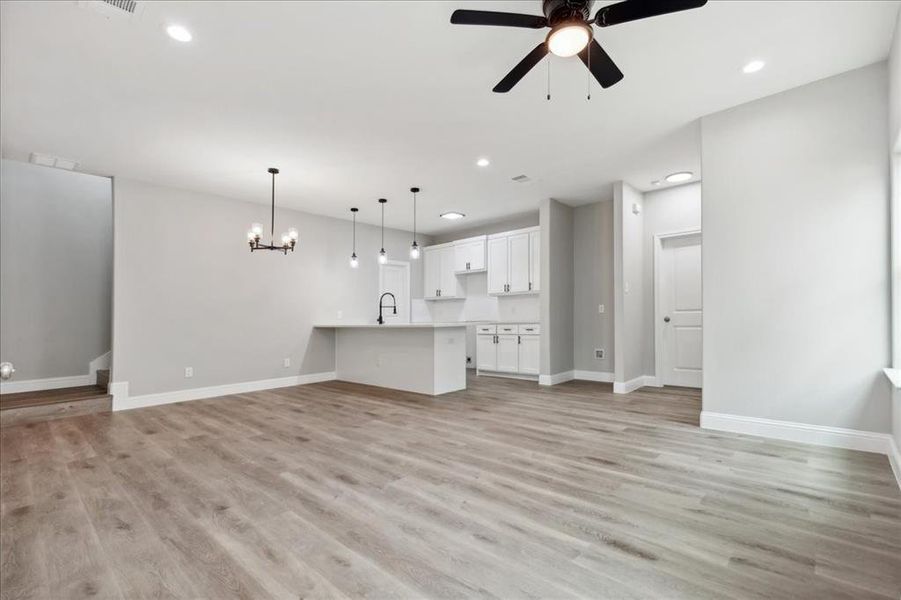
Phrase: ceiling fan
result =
(571, 32)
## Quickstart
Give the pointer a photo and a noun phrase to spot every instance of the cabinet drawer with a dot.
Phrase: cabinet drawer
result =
(529, 329)
(492, 329)
(507, 329)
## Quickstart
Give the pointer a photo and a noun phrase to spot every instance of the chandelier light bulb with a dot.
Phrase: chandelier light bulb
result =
(256, 229)
(250, 236)
(293, 234)
(286, 239)
(383, 257)
(354, 262)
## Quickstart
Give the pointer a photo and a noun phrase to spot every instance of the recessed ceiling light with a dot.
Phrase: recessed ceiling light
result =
(453, 216)
(679, 177)
(753, 66)
(177, 32)
(483, 162)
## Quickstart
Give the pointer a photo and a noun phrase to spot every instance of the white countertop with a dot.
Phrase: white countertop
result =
(350, 325)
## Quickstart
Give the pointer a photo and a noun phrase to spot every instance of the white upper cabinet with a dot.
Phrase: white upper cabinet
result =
(439, 280)
(535, 260)
(513, 262)
(470, 255)
(497, 265)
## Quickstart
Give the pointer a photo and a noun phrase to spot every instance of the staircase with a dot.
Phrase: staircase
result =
(44, 405)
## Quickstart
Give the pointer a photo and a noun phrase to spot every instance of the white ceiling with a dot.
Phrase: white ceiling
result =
(357, 100)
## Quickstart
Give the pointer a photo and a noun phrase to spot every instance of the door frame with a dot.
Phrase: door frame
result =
(658, 327)
(406, 265)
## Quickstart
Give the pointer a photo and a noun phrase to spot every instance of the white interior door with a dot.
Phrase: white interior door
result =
(680, 311)
(394, 277)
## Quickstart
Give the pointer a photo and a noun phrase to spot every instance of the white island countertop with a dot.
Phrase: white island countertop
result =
(350, 325)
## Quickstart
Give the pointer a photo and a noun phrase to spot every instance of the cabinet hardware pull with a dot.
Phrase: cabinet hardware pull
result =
(530, 286)
(519, 339)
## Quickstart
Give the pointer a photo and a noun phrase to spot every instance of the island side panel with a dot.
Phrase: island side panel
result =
(450, 359)
(402, 359)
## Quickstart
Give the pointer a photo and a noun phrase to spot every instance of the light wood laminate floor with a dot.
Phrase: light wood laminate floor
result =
(506, 490)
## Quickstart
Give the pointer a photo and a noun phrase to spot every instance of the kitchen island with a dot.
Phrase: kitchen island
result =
(427, 358)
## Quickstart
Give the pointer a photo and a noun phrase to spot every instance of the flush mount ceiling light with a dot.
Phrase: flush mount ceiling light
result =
(289, 238)
(414, 247)
(383, 256)
(753, 66)
(483, 162)
(354, 262)
(179, 33)
(679, 177)
(452, 216)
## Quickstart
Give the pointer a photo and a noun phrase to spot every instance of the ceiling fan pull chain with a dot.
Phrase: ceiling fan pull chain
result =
(588, 52)
(549, 78)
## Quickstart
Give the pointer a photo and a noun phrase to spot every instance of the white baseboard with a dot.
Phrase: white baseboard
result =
(556, 378)
(624, 387)
(602, 376)
(50, 383)
(820, 435)
(122, 401)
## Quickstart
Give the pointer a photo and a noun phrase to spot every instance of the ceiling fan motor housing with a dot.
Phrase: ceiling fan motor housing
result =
(561, 11)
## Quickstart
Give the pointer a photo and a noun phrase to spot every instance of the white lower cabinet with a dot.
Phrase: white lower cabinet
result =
(508, 348)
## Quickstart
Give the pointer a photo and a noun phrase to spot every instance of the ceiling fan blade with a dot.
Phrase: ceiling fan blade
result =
(519, 71)
(500, 19)
(600, 64)
(632, 10)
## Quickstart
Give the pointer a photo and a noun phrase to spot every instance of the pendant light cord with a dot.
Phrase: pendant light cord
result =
(272, 226)
(355, 232)
(414, 217)
(383, 225)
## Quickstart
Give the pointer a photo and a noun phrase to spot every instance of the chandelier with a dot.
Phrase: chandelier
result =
(289, 238)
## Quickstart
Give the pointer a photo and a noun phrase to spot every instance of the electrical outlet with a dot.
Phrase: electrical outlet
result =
(189, 372)
(600, 309)
(599, 353)
(286, 363)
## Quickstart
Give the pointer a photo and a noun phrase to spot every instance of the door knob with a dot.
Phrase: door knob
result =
(666, 319)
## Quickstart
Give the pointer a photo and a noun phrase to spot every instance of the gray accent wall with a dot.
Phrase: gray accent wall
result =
(188, 291)
(593, 285)
(556, 309)
(796, 254)
(56, 266)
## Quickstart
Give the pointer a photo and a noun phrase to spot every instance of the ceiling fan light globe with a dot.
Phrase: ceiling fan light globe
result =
(568, 39)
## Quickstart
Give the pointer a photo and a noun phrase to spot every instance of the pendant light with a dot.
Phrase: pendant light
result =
(414, 247)
(383, 256)
(354, 263)
(289, 238)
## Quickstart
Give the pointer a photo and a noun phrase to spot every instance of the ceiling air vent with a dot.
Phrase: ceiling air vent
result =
(128, 9)
(521, 179)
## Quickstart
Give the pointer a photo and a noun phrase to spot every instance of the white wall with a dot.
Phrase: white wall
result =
(628, 273)
(593, 285)
(188, 291)
(664, 211)
(56, 255)
(556, 288)
(796, 254)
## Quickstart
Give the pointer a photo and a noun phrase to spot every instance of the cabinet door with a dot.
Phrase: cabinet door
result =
(497, 265)
(431, 265)
(476, 255)
(507, 353)
(535, 260)
(461, 256)
(486, 353)
(448, 280)
(528, 354)
(519, 263)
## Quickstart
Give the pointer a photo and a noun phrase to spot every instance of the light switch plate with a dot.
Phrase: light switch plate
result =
(600, 309)
(189, 372)
(286, 363)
